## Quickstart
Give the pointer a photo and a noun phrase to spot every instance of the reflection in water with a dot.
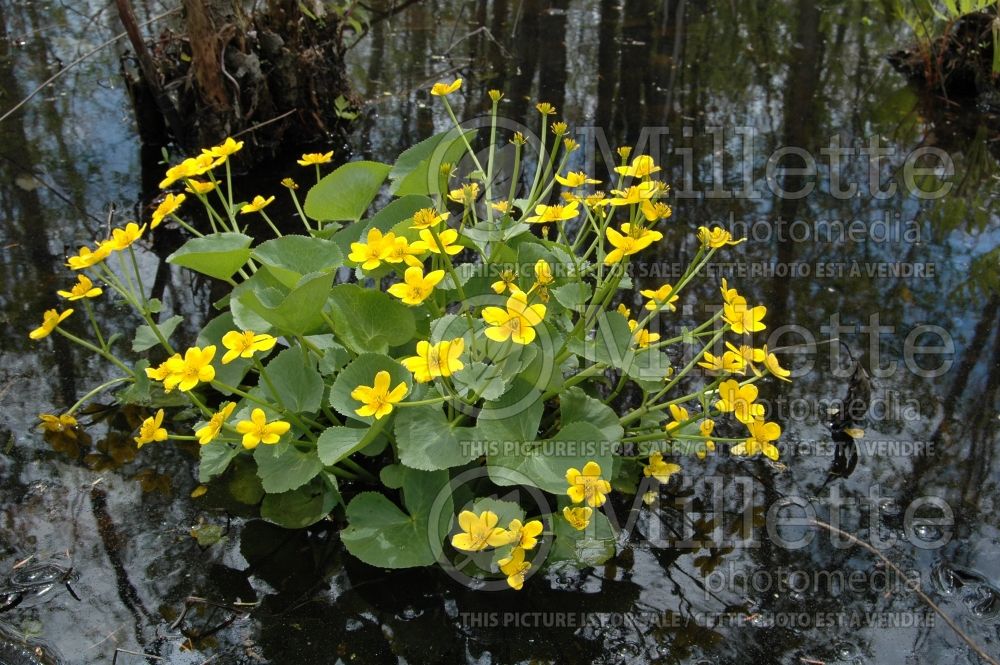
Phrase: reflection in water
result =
(796, 73)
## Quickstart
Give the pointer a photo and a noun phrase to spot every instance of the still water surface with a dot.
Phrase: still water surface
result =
(699, 78)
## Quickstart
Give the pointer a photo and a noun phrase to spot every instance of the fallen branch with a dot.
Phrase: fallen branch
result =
(915, 588)
(80, 59)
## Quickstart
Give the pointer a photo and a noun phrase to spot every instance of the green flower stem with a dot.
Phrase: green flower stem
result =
(681, 338)
(489, 163)
(302, 213)
(516, 173)
(424, 402)
(449, 266)
(99, 389)
(357, 468)
(270, 223)
(547, 176)
(89, 309)
(227, 204)
(205, 411)
(300, 422)
(472, 153)
(267, 380)
(187, 227)
(579, 377)
(536, 181)
(229, 186)
(319, 175)
(144, 309)
(341, 473)
(107, 355)
(638, 413)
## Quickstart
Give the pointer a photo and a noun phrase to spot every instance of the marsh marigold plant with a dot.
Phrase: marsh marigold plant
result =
(366, 356)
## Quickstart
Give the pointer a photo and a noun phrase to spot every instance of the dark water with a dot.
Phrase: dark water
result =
(698, 77)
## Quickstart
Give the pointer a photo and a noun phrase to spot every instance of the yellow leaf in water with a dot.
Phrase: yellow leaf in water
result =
(199, 491)
(855, 432)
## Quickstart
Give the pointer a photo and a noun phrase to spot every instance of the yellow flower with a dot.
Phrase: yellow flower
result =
(624, 311)
(587, 485)
(515, 568)
(773, 366)
(377, 398)
(543, 272)
(243, 344)
(729, 295)
(679, 414)
(415, 287)
(168, 206)
(123, 238)
(194, 368)
(578, 517)
(642, 167)
(655, 211)
(518, 138)
(559, 128)
(728, 362)
(441, 89)
(478, 531)
(371, 253)
(749, 355)
(84, 288)
(289, 183)
(517, 322)
(428, 217)
(524, 536)
(659, 469)
(402, 251)
(258, 204)
(427, 243)
(742, 318)
(151, 430)
(226, 148)
(505, 282)
(198, 186)
(257, 430)
(625, 245)
(570, 144)
(495, 95)
(595, 200)
(643, 338)
(661, 298)
(50, 321)
(315, 158)
(212, 428)
(624, 151)
(87, 258)
(60, 423)
(190, 167)
(633, 195)
(545, 108)
(434, 360)
(502, 207)
(162, 371)
(759, 441)
(465, 194)
(716, 237)
(706, 427)
(739, 400)
(556, 213)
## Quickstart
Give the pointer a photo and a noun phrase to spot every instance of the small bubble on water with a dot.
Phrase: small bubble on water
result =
(927, 532)
(982, 600)
(409, 614)
(889, 507)
(846, 651)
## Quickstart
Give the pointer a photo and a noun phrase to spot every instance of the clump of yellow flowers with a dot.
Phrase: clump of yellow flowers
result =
(379, 355)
